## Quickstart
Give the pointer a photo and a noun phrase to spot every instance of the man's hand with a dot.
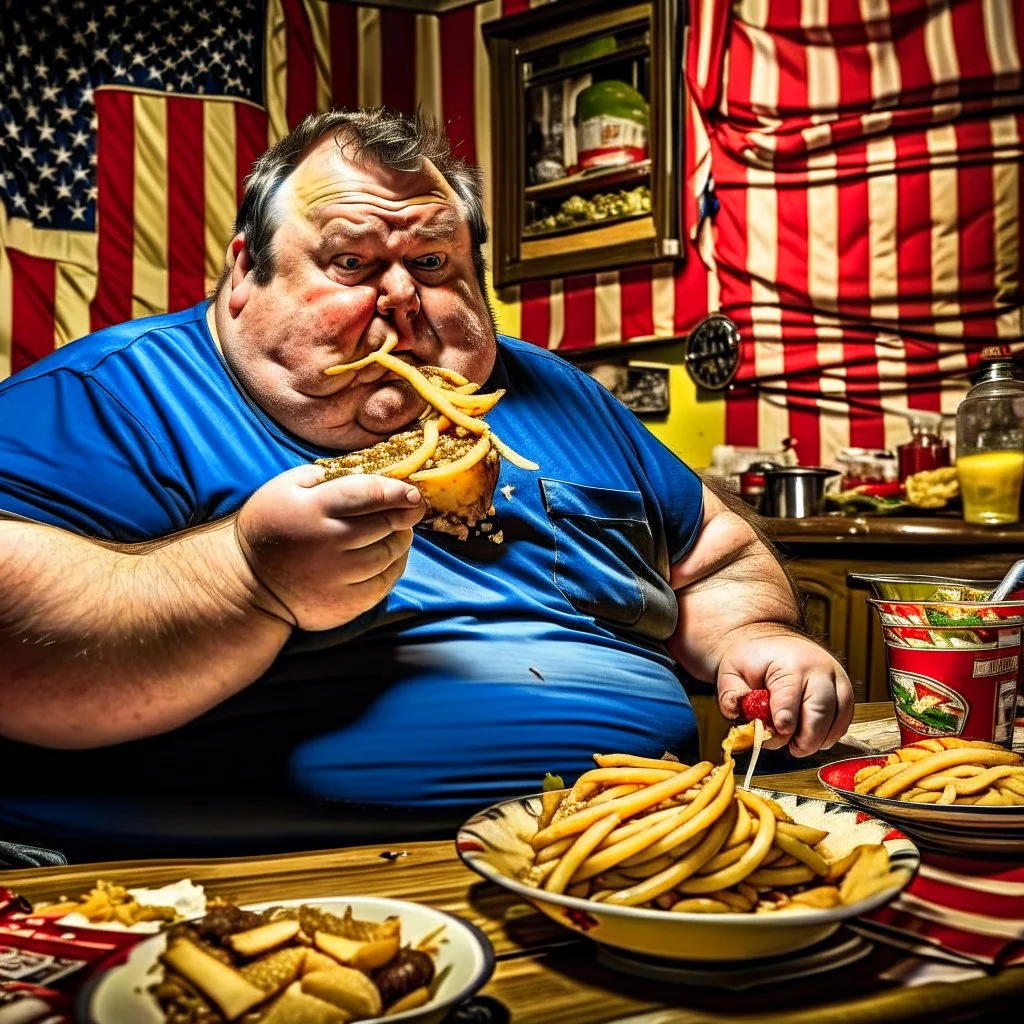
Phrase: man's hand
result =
(324, 553)
(811, 696)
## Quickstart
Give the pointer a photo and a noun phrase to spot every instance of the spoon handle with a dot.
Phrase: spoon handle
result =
(1010, 582)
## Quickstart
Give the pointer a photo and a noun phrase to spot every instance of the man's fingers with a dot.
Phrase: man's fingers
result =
(844, 710)
(362, 564)
(732, 688)
(361, 494)
(785, 696)
(353, 532)
(818, 713)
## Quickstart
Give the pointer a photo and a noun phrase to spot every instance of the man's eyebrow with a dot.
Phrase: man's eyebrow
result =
(443, 230)
(348, 232)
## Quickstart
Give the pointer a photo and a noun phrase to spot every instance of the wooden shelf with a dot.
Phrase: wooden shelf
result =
(590, 181)
(533, 80)
(589, 236)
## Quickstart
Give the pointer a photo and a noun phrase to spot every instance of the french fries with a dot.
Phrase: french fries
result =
(948, 772)
(640, 832)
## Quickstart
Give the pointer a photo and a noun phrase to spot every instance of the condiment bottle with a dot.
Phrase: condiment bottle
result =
(926, 449)
(990, 444)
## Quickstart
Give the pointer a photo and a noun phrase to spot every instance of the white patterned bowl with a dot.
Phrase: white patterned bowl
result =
(496, 844)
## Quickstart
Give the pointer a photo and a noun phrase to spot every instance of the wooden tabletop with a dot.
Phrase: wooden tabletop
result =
(836, 529)
(545, 974)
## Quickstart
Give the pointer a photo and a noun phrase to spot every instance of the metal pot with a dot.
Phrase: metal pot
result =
(794, 492)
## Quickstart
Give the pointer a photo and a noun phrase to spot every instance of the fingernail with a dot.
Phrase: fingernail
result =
(412, 496)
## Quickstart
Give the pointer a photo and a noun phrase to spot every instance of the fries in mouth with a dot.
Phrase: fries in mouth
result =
(451, 456)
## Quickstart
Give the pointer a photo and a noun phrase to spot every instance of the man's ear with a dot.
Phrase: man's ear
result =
(240, 262)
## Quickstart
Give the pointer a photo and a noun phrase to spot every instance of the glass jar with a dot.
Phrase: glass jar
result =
(990, 445)
(926, 449)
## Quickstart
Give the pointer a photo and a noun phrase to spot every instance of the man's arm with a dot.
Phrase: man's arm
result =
(739, 626)
(102, 645)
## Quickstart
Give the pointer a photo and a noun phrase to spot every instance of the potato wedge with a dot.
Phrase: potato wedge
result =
(364, 956)
(347, 988)
(223, 985)
(264, 938)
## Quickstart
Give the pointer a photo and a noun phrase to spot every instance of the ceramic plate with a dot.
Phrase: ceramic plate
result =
(464, 963)
(966, 829)
(496, 844)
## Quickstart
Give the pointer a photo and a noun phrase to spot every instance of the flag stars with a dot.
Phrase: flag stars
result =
(61, 155)
(24, 50)
(44, 211)
(86, 95)
(27, 153)
(46, 172)
(78, 212)
(50, 93)
(92, 26)
(63, 190)
(79, 139)
(31, 112)
(46, 131)
(80, 173)
(66, 113)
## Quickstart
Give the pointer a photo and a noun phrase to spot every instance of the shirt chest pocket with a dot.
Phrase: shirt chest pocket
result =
(607, 563)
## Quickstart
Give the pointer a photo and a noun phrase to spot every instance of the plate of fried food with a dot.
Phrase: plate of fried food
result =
(952, 794)
(328, 961)
(684, 862)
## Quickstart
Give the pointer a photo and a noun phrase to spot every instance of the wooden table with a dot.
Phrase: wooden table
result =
(544, 974)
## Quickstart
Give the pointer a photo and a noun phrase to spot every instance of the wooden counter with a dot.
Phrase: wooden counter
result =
(821, 551)
(865, 531)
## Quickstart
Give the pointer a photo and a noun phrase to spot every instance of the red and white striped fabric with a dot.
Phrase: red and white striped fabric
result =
(958, 910)
(866, 156)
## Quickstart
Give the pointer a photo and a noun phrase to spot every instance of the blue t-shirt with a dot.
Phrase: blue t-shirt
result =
(486, 666)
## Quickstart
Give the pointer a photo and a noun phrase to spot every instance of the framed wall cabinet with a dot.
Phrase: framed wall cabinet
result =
(587, 134)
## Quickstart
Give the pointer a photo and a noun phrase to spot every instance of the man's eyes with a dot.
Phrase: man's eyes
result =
(351, 263)
(434, 261)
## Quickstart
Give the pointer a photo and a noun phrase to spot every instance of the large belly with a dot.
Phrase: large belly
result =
(452, 729)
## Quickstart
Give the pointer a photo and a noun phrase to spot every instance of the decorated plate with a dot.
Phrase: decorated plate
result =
(952, 827)
(496, 844)
(464, 963)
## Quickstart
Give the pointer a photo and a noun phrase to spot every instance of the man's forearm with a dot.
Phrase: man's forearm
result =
(730, 585)
(101, 646)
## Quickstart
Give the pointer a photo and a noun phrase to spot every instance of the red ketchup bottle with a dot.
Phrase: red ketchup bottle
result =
(926, 449)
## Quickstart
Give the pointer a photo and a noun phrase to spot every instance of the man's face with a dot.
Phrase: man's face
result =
(359, 250)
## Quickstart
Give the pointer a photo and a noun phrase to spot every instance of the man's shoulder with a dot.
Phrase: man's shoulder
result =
(534, 359)
(90, 353)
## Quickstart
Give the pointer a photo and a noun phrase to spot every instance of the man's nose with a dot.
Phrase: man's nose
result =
(397, 297)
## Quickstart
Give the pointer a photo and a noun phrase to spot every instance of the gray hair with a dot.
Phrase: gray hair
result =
(390, 139)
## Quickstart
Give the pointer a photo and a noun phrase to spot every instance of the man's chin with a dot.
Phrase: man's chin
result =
(383, 415)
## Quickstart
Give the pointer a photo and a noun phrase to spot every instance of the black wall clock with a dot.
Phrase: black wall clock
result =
(713, 352)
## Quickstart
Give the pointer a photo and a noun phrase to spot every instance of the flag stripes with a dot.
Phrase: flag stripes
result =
(865, 155)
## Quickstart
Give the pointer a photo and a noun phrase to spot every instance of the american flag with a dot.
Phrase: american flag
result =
(56, 61)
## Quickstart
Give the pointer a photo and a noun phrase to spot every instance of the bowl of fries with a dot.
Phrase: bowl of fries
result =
(955, 795)
(677, 861)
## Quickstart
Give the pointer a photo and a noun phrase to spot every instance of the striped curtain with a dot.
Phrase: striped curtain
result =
(866, 155)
